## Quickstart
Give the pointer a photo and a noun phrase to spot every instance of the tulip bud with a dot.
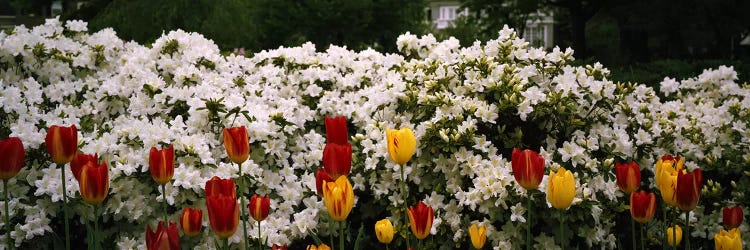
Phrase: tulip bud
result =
(277, 247)
(401, 144)
(674, 235)
(688, 191)
(12, 156)
(161, 164)
(61, 143)
(384, 231)
(528, 168)
(191, 221)
(478, 235)
(420, 220)
(628, 176)
(561, 188)
(336, 131)
(642, 206)
(732, 217)
(338, 197)
(259, 207)
(237, 144)
(94, 182)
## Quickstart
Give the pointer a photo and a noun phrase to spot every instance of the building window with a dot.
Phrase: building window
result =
(448, 13)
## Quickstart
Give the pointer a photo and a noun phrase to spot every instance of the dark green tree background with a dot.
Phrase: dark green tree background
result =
(263, 24)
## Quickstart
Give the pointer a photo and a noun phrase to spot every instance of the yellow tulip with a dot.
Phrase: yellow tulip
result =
(671, 236)
(667, 186)
(665, 177)
(384, 231)
(478, 235)
(338, 197)
(561, 188)
(728, 240)
(321, 247)
(401, 144)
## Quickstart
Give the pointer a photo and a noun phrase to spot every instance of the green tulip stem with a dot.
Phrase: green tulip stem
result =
(406, 209)
(643, 245)
(7, 218)
(341, 235)
(632, 231)
(242, 206)
(686, 235)
(674, 234)
(562, 221)
(387, 247)
(528, 220)
(96, 226)
(260, 241)
(65, 209)
(226, 243)
(332, 230)
(664, 226)
(164, 200)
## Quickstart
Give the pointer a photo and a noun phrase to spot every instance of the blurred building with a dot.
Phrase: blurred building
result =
(32, 13)
(539, 30)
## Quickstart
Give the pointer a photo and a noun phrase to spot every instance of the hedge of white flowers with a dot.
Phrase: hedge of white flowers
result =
(468, 106)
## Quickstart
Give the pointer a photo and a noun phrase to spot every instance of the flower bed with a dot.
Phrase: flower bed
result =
(468, 107)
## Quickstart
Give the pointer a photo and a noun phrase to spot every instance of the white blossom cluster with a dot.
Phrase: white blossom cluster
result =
(126, 97)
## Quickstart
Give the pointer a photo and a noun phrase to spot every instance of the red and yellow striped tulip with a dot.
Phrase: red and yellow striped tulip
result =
(94, 182)
(191, 221)
(628, 176)
(338, 197)
(80, 160)
(642, 206)
(420, 220)
(237, 144)
(384, 231)
(221, 187)
(321, 176)
(259, 207)
(161, 164)
(321, 247)
(61, 143)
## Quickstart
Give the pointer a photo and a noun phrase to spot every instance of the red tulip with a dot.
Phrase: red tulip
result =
(161, 164)
(688, 190)
(80, 160)
(528, 168)
(223, 210)
(732, 217)
(642, 206)
(277, 247)
(336, 131)
(94, 182)
(320, 176)
(191, 221)
(337, 159)
(224, 214)
(420, 220)
(628, 176)
(62, 143)
(12, 156)
(237, 144)
(224, 187)
(259, 207)
(164, 238)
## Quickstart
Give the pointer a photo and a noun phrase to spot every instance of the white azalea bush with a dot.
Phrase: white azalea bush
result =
(468, 107)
